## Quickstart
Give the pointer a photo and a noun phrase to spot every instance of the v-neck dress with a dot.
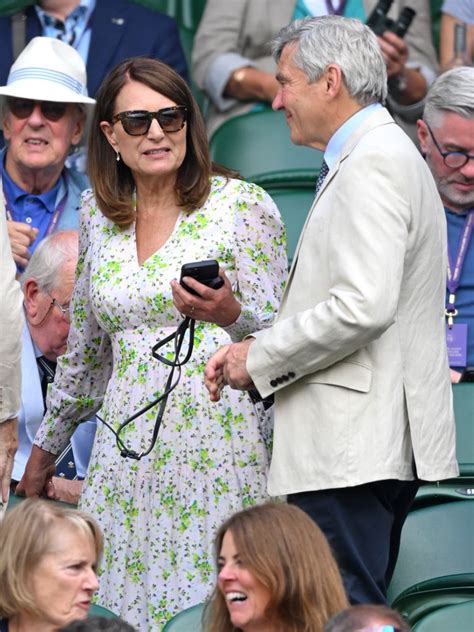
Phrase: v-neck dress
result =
(159, 515)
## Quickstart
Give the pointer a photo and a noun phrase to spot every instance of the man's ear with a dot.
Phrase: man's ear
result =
(108, 131)
(6, 125)
(333, 79)
(31, 296)
(423, 135)
(79, 128)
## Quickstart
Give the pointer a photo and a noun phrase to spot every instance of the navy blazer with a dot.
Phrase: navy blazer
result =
(120, 29)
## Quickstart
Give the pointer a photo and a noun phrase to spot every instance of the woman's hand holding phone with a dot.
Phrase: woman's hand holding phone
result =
(202, 302)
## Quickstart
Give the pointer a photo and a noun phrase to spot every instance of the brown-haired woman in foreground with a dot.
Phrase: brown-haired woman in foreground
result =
(276, 573)
(48, 559)
(158, 203)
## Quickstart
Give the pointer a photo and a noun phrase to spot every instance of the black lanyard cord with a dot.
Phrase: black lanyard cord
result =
(178, 336)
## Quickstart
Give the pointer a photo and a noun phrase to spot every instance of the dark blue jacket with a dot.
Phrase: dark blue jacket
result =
(120, 29)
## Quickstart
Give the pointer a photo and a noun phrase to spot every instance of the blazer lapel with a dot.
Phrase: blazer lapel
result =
(380, 117)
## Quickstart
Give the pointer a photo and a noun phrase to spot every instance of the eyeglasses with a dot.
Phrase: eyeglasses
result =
(23, 108)
(452, 159)
(138, 122)
(64, 310)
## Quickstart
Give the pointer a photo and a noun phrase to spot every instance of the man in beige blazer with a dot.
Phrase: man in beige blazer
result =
(357, 358)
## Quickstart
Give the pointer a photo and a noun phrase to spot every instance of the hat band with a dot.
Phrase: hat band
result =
(48, 75)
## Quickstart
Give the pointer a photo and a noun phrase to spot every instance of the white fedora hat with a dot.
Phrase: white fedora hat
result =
(48, 70)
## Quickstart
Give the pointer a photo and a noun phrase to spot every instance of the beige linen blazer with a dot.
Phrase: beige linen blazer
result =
(357, 358)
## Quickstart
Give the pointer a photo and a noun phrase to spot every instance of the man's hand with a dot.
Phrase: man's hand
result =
(395, 52)
(228, 366)
(455, 376)
(39, 471)
(65, 490)
(21, 237)
(8, 446)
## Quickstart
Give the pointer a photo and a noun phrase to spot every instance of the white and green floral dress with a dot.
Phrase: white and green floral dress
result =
(159, 515)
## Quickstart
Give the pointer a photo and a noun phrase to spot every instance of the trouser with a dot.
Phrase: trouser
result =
(363, 525)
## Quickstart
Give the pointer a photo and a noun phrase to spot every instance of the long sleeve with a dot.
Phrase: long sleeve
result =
(259, 262)
(11, 323)
(84, 370)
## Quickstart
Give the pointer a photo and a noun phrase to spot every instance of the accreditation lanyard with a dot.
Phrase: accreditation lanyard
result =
(58, 211)
(454, 273)
(333, 11)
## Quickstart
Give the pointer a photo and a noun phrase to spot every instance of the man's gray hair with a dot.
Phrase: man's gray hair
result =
(47, 261)
(453, 91)
(346, 42)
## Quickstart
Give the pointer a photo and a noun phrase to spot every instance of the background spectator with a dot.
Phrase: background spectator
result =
(48, 557)
(447, 140)
(47, 285)
(158, 204)
(44, 114)
(367, 618)
(99, 624)
(456, 12)
(232, 59)
(275, 571)
(104, 32)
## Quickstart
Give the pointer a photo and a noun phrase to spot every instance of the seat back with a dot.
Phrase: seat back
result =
(463, 395)
(100, 611)
(436, 542)
(188, 620)
(459, 618)
(258, 143)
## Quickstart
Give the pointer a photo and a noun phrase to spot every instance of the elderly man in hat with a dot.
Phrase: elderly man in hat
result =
(44, 111)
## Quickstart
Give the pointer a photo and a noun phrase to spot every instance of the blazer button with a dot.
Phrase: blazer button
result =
(273, 383)
(291, 374)
(285, 378)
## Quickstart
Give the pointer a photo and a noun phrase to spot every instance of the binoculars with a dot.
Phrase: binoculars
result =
(379, 22)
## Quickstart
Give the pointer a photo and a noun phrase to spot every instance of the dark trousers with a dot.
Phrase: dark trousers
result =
(363, 525)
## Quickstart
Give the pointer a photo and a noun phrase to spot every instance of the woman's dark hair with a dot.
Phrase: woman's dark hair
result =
(113, 181)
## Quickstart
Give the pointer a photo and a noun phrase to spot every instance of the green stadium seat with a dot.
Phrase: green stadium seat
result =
(461, 488)
(293, 193)
(188, 620)
(258, 143)
(9, 7)
(435, 567)
(457, 618)
(100, 611)
(14, 500)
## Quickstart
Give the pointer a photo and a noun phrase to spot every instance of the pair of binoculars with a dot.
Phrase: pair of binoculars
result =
(379, 22)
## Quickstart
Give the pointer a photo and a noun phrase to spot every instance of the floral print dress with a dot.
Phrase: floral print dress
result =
(159, 515)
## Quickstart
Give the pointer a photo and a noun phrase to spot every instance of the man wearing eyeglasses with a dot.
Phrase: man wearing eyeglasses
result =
(446, 135)
(47, 285)
(44, 107)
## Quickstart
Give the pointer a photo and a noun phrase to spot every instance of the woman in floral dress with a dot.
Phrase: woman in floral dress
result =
(159, 203)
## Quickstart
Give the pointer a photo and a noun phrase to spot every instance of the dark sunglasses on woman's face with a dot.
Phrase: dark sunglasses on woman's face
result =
(138, 122)
(23, 108)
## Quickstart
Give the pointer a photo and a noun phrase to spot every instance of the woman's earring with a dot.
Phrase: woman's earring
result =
(118, 156)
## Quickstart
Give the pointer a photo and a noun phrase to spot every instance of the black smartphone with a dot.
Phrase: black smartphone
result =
(206, 272)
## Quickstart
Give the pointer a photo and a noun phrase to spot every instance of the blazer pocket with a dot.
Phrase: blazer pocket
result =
(357, 377)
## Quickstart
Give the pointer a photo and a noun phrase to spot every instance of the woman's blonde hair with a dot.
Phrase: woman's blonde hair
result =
(288, 553)
(25, 538)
